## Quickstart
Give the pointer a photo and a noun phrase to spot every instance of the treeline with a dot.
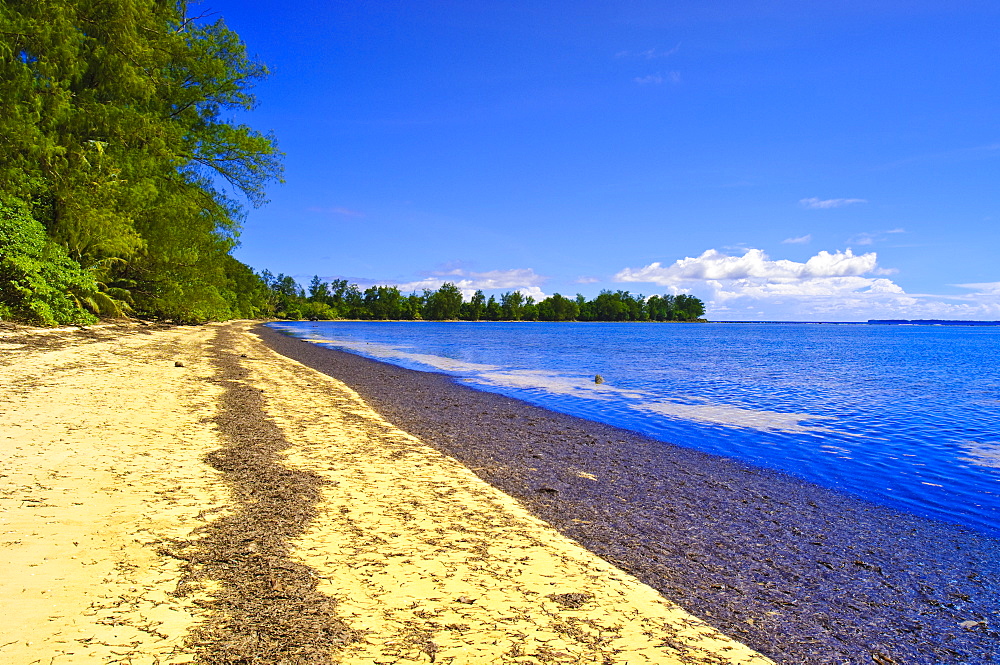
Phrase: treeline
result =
(119, 170)
(339, 300)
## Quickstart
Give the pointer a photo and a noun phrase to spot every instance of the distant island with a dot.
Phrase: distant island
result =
(931, 322)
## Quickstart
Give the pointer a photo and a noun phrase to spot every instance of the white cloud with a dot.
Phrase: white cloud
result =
(837, 286)
(817, 204)
(982, 288)
(754, 265)
(801, 240)
(533, 292)
(587, 280)
(524, 280)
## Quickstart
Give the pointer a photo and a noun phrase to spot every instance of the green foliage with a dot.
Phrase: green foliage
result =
(475, 308)
(444, 304)
(39, 282)
(512, 306)
(558, 308)
(112, 125)
(340, 300)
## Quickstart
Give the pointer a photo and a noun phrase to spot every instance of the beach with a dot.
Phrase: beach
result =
(188, 494)
(799, 572)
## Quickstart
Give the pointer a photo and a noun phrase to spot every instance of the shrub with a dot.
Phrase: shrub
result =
(39, 282)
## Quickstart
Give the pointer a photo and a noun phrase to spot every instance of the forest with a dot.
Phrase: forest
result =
(339, 300)
(124, 182)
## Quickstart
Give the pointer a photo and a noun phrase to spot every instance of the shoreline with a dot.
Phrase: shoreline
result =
(801, 573)
(187, 495)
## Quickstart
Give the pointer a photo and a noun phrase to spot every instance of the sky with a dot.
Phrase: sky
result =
(781, 160)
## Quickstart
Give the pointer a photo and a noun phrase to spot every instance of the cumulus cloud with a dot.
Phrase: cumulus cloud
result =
(821, 204)
(801, 240)
(533, 292)
(754, 265)
(830, 286)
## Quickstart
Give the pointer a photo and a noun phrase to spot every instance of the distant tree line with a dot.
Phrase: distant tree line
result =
(339, 300)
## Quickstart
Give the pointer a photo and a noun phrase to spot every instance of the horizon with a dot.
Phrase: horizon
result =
(782, 162)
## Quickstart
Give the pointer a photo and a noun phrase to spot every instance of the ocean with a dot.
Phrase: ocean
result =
(903, 416)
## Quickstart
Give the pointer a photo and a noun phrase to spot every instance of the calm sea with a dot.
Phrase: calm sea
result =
(905, 416)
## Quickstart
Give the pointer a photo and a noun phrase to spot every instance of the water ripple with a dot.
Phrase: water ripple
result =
(904, 416)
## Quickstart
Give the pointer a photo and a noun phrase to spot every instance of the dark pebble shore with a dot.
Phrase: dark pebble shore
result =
(801, 573)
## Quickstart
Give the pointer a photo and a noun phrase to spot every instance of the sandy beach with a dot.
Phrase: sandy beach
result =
(187, 494)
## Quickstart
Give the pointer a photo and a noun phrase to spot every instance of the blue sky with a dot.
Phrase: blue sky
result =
(780, 160)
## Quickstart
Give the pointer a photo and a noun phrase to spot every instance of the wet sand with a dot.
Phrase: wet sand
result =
(187, 495)
(800, 573)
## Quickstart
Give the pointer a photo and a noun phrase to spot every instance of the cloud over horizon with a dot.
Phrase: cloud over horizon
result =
(755, 265)
(838, 285)
(525, 280)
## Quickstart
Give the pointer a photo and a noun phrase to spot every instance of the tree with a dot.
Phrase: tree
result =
(443, 304)
(512, 306)
(319, 291)
(661, 308)
(476, 307)
(112, 127)
(493, 312)
(354, 303)
(608, 306)
(557, 308)
(413, 306)
(384, 302)
(688, 308)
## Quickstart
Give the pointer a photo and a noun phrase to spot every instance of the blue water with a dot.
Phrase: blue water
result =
(905, 416)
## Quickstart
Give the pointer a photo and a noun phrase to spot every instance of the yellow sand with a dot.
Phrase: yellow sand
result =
(103, 445)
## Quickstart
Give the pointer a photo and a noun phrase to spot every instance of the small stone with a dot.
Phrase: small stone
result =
(465, 600)
(178, 363)
(970, 625)
(598, 379)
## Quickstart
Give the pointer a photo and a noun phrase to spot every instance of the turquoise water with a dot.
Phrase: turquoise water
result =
(905, 416)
